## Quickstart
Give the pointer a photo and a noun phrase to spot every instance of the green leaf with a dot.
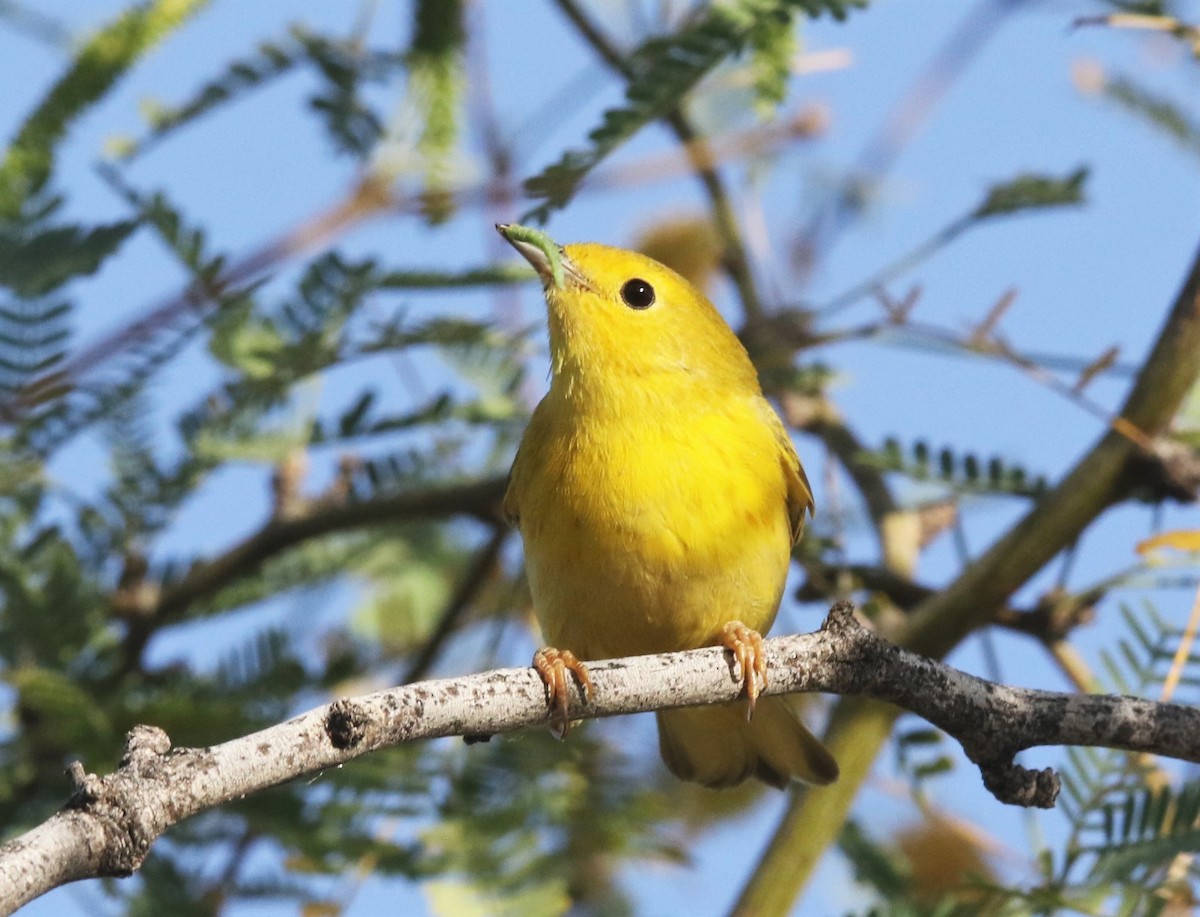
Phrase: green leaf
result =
(343, 67)
(772, 49)
(253, 347)
(873, 865)
(965, 472)
(267, 447)
(38, 263)
(488, 275)
(411, 575)
(239, 76)
(451, 898)
(59, 714)
(1032, 191)
(1156, 110)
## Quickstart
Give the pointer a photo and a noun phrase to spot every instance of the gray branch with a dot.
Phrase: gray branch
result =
(110, 823)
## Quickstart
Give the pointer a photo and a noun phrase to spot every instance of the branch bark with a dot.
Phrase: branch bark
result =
(110, 823)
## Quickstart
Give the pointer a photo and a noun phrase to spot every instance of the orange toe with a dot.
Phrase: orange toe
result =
(750, 659)
(553, 666)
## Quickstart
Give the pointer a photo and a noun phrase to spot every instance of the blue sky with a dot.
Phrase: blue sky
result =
(1086, 278)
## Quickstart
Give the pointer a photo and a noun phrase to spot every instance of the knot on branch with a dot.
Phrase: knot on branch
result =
(345, 724)
(854, 645)
(144, 745)
(1016, 785)
(1170, 471)
(123, 804)
(1056, 614)
(840, 619)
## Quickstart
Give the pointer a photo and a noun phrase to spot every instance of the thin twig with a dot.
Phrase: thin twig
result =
(1183, 652)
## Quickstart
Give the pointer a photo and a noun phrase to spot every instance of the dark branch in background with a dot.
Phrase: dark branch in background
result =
(110, 823)
(1052, 619)
(478, 498)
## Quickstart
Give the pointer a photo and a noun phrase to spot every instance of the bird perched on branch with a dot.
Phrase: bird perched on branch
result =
(659, 496)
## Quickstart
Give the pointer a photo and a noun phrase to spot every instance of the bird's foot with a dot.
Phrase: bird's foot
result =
(749, 657)
(552, 666)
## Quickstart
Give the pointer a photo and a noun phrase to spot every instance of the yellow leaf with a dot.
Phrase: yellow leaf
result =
(1185, 540)
(946, 855)
(321, 909)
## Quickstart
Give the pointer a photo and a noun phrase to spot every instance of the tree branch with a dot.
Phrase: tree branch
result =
(478, 498)
(279, 533)
(110, 823)
(1051, 619)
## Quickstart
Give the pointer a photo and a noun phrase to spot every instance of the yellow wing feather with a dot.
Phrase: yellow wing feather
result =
(799, 491)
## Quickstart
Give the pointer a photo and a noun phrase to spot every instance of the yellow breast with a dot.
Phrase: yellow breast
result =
(647, 533)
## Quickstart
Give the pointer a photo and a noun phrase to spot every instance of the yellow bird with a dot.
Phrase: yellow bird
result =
(659, 496)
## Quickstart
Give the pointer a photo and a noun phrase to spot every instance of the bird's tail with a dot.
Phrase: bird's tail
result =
(717, 746)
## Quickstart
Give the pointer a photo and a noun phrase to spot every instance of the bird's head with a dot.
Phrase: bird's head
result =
(617, 317)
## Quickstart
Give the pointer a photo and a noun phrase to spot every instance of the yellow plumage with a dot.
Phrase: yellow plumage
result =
(658, 496)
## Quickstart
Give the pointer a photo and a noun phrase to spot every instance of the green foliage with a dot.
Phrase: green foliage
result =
(1032, 192)
(527, 829)
(33, 336)
(1161, 113)
(1130, 826)
(872, 865)
(70, 408)
(662, 71)
(343, 66)
(435, 87)
(350, 122)
(1147, 830)
(35, 263)
(1127, 821)
(72, 567)
(965, 472)
(771, 52)
(98, 64)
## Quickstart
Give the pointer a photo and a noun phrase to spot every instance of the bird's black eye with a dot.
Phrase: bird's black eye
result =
(637, 294)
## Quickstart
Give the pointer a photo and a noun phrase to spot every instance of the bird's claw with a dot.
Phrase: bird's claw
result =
(552, 666)
(749, 658)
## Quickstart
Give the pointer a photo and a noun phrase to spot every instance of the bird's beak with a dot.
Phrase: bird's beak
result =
(546, 255)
